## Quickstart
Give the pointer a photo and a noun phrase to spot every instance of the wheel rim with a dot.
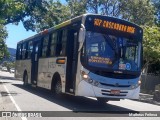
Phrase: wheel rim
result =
(58, 88)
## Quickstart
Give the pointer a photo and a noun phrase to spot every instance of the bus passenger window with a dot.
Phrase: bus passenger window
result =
(59, 44)
(53, 44)
(45, 46)
(30, 49)
(24, 51)
(64, 39)
(19, 52)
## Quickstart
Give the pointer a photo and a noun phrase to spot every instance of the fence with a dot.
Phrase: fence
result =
(149, 82)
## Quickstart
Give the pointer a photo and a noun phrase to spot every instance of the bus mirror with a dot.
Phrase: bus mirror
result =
(81, 35)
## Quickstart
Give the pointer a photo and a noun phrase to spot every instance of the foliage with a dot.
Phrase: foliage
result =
(56, 13)
(111, 7)
(140, 12)
(151, 45)
(38, 15)
(9, 65)
(3, 47)
(43, 14)
(13, 11)
(93, 6)
(131, 10)
(76, 7)
(156, 4)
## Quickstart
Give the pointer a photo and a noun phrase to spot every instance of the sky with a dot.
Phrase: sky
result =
(17, 33)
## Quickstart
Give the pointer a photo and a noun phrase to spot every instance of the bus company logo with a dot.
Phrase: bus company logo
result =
(6, 114)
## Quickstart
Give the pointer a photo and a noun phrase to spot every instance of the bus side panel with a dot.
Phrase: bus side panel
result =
(18, 72)
(21, 66)
(47, 68)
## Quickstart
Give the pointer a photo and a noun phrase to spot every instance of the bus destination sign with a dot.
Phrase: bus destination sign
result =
(114, 25)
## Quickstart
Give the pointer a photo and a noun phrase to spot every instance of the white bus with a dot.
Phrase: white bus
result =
(90, 55)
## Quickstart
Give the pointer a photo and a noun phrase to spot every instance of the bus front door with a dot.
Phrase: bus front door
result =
(34, 60)
(72, 55)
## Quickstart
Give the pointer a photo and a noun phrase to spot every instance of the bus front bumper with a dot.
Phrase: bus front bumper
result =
(86, 89)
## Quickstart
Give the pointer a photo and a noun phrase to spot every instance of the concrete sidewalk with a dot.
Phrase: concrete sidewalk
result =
(148, 99)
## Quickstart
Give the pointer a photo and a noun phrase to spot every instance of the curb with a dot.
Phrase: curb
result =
(147, 99)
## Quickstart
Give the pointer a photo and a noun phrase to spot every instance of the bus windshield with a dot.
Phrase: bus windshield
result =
(112, 52)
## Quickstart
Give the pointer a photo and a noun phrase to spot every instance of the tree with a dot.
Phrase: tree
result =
(156, 4)
(151, 45)
(14, 11)
(3, 47)
(131, 10)
(111, 8)
(8, 65)
(93, 6)
(76, 7)
(30, 12)
(56, 13)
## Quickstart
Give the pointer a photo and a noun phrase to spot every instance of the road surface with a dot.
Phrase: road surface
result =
(16, 97)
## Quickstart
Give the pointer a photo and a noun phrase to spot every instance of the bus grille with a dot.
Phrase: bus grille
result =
(108, 93)
(115, 85)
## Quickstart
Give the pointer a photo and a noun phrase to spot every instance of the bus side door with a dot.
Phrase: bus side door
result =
(34, 61)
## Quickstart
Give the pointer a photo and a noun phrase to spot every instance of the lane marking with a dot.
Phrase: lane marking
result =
(14, 102)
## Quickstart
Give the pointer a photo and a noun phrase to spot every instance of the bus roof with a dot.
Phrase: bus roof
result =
(68, 22)
(65, 23)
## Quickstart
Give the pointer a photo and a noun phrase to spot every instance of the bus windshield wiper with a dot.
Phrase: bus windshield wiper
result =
(109, 41)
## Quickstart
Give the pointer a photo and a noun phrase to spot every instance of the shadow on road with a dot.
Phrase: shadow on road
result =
(4, 82)
(9, 78)
(77, 104)
(4, 93)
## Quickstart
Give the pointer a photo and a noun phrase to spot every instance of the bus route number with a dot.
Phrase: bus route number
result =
(114, 25)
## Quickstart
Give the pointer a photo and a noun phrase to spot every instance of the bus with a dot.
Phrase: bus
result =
(90, 55)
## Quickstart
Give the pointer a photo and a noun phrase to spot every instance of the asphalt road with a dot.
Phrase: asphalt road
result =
(16, 97)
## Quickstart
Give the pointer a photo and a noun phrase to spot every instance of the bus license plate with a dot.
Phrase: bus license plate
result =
(115, 92)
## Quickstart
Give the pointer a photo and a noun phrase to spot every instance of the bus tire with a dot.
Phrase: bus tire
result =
(102, 100)
(25, 79)
(57, 88)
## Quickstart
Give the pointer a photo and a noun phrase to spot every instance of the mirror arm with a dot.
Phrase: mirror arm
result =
(82, 29)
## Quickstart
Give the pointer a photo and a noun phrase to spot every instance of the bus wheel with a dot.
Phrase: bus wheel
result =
(58, 88)
(25, 79)
(102, 100)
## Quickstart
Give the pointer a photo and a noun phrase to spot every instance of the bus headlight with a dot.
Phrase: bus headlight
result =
(84, 75)
(136, 85)
(88, 79)
(139, 82)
